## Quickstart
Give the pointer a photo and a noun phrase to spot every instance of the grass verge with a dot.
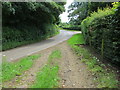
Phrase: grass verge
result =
(105, 78)
(48, 75)
(12, 69)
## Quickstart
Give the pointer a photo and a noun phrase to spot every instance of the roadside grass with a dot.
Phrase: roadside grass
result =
(48, 75)
(12, 69)
(76, 39)
(105, 78)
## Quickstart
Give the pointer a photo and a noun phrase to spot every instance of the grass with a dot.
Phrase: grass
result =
(12, 69)
(76, 39)
(104, 78)
(48, 75)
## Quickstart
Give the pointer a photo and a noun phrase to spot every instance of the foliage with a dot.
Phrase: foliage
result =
(78, 11)
(48, 76)
(101, 31)
(69, 26)
(25, 22)
(28, 11)
(13, 37)
(12, 69)
(103, 77)
(94, 16)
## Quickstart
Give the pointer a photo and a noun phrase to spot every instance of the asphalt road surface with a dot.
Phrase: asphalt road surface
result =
(26, 50)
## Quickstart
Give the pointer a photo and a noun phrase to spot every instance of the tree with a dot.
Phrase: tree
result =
(78, 11)
(26, 22)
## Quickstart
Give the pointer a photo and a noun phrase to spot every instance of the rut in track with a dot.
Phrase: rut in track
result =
(72, 73)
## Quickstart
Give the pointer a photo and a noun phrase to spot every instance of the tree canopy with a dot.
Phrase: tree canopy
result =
(44, 12)
(27, 22)
(80, 10)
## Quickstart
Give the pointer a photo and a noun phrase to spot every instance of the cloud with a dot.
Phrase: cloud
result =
(64, 15)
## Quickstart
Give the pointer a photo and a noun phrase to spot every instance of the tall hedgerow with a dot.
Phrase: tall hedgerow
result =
(28, 22)
(101, 30)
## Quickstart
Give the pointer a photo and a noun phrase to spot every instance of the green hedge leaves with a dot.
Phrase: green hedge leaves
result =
(28, 22)
(101, 30)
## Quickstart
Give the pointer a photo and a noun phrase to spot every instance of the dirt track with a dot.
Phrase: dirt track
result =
(73, 73)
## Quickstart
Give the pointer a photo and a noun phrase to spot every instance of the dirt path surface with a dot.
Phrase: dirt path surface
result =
(28, 77)
(19, 52)
(73, 73)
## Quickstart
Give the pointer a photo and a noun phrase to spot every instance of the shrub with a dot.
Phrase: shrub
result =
(69, 26)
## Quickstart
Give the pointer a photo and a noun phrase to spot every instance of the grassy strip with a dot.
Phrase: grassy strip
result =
(12, 69)
(76, 39)
(48, 76)
(104, 77)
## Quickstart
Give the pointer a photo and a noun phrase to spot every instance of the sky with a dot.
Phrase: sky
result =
(64, 15)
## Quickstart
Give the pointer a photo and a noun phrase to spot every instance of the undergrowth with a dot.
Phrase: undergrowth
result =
(104, 78)
(48, 75)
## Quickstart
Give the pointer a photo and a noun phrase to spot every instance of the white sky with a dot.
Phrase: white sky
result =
(64, 15)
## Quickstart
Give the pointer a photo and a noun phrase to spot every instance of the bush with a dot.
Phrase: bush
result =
(72, 27)
(102, 30)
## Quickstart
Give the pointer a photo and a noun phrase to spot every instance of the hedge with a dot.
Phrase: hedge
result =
(101, 30)
(72, 27)
(28, 22)
(12, 37)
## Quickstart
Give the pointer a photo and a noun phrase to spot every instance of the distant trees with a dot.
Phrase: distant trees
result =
(78, 11)
(26, 22)
(69, 26)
